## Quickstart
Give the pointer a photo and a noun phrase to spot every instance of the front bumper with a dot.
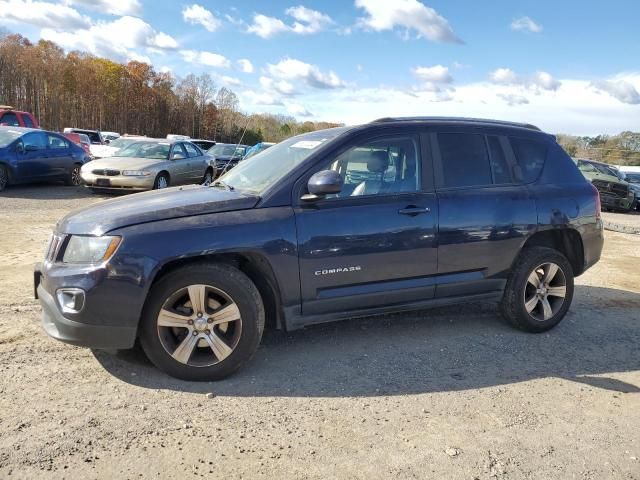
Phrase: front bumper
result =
(119, 182)
(611, 201)
(57, 326)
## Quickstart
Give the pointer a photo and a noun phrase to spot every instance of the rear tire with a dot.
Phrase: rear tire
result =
(539, 290)
(184, 341)
(162, 181)
(4, 177)
(74, 179)
(208, 177)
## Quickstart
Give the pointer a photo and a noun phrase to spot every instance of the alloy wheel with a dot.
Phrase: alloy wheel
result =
(4, 179)
(545, 291)
(76, 179)
(162, 182)
(199, 325)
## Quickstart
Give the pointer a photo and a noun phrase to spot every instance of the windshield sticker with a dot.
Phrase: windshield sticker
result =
(308, 144)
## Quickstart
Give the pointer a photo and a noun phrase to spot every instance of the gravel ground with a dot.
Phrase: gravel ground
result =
(622, 222)
(446, 393)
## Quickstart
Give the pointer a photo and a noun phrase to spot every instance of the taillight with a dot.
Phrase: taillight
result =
(598, 204)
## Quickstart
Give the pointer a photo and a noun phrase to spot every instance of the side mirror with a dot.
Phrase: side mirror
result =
(325, 182)
(177, 156)
(19, 147)
(107, 141)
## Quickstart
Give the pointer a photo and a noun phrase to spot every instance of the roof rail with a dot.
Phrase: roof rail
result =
(457, 119)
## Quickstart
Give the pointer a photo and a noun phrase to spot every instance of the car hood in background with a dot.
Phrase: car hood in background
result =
(164, 204)
(102, 151)
(125, 163)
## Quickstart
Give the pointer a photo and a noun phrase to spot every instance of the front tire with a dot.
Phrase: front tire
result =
(539, 290)
(161, 181)
(202, 322)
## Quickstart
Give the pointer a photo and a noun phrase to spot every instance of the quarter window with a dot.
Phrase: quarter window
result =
(530, 155)
(465, 162)
(383, 166)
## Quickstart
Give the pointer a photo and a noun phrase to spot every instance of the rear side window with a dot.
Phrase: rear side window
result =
(10, 119)
(465, 161)
(499, 163)
(27, 120)
(530, 155)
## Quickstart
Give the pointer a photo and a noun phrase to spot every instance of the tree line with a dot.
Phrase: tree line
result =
(622, 149)
(80, 90)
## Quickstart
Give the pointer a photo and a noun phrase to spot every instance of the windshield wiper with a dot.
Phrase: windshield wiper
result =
(220, 183)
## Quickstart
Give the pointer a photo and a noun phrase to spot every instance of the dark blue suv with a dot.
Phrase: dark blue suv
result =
(33, 155)
(399, 214)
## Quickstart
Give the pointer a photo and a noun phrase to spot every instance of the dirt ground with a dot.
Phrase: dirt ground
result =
(447, 393)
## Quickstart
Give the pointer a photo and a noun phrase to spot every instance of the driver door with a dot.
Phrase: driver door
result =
(180, 173)
(374, 244)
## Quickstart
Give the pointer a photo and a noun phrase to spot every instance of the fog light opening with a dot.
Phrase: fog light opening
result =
(71, 300)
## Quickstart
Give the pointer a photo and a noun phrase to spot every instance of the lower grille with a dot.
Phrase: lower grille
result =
(610, 188)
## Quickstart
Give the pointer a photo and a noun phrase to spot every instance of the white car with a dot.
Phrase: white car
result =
(104, 151)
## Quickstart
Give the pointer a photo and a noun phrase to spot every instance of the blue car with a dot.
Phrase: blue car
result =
(32, 155)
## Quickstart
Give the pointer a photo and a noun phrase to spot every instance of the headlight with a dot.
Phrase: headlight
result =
(81, 249)
(135, 173)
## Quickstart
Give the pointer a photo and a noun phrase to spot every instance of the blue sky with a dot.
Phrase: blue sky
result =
(568, 66)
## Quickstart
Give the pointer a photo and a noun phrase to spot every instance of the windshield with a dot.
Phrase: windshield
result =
(153, 150)
(123, 142)
(632, 177)
(260, 172)
(8, 135)
(226, 150)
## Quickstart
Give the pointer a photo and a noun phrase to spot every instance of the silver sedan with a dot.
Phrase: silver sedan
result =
(150, 164)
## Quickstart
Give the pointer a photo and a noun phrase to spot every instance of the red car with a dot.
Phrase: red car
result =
(14, 118)
(80, 139)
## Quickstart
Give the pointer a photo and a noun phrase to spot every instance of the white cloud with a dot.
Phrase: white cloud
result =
(434, 74)
(525, 24)
(209, 59)
(298, 110)
(267, 27)
(230, 81)
(43, 14)
(622, 90)
(281, 87)
(406, 14)
(539, 80)
(136, 57)
(292, 69)
(245, 65)
(114, 39)
(307, 21)
(513, 99)
(198, 15)
(261, 98)
(113, 7)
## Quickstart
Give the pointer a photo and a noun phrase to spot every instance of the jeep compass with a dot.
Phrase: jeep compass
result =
(395, 215)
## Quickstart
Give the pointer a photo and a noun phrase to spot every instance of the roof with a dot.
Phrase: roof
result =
(475, 121)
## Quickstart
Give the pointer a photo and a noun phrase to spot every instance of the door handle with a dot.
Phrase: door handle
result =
(413, 210)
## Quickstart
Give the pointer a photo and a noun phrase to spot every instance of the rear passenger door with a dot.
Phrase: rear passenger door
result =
(485, 211)
(60, 159)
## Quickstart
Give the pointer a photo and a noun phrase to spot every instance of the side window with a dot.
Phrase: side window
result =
(34, 141)
(27, 120)
(178, 152)
(10, 119)
(465, 162)
(191, 150)
(383, 166)
(499, 164)
(56, 142)
(530, 155)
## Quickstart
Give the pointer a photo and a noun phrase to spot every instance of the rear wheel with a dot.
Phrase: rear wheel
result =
(202, 322)
(539, 290)
(4, 177)
(162, 181)
(208, 177)
(74, 179)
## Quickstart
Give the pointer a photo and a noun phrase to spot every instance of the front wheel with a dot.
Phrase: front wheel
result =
(202, 322)
(539, 290)
(162, 181)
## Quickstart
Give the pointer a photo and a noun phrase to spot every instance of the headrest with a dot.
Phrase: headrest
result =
(378, 161)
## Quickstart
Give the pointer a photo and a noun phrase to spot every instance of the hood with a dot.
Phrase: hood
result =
(102, 151)
(126, 163)
(165, 204)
